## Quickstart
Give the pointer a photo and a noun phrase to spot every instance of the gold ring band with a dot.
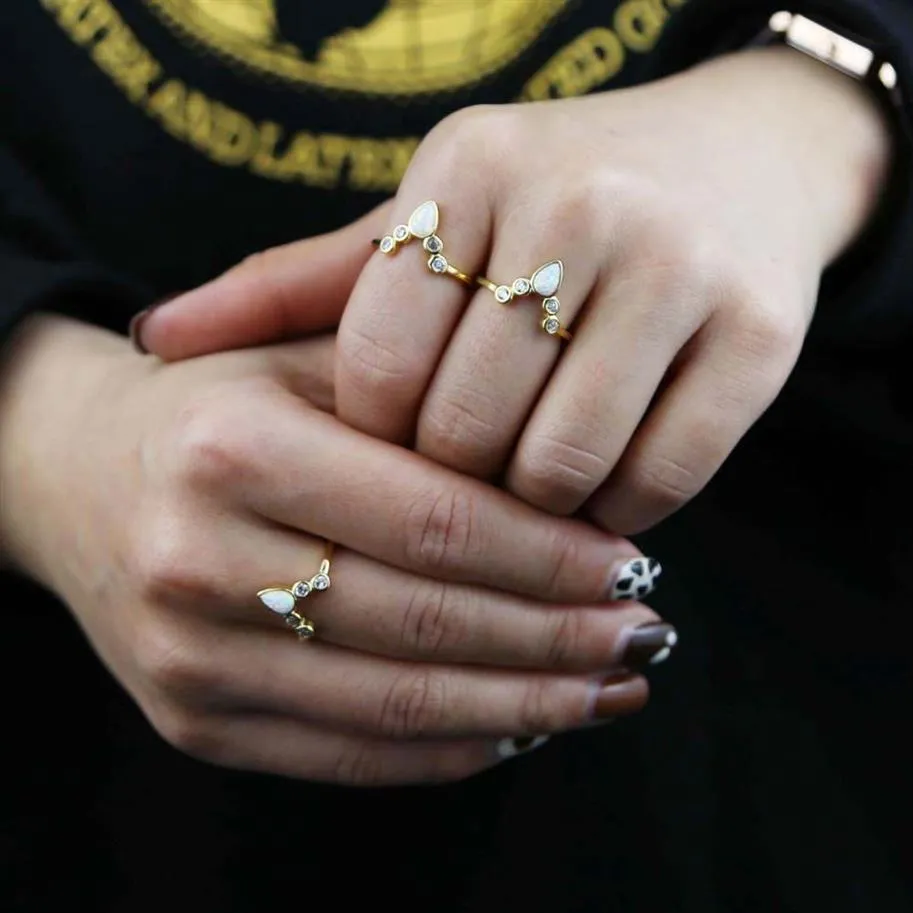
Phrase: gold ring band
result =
(284, 600)
(545, 281)
(460, 275)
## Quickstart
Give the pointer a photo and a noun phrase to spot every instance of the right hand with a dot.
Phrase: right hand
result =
(156, 500)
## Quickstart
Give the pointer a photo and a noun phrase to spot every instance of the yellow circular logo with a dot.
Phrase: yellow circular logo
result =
(384, 47)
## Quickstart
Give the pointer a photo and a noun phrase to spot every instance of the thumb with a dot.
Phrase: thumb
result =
(281, 293)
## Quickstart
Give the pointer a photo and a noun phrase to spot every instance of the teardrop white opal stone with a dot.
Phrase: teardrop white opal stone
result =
(547, 278)
(279, 601)
(423, 222)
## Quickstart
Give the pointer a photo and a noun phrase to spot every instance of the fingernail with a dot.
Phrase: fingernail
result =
(649, 645)
(510, 748)
(135, 330)
(616, 696)
(634, 579)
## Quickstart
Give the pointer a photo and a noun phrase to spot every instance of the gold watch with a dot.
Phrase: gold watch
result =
(840, 51)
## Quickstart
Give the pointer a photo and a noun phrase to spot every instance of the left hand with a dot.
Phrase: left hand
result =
(694, 217)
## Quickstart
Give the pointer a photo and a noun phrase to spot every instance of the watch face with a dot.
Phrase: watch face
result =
(391, 47)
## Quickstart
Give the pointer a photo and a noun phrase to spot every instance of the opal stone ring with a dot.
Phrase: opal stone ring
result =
(422, 226)
(545, 282)
(284, 600)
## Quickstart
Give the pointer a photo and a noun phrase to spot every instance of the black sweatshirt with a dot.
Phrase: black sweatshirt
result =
(148, 145)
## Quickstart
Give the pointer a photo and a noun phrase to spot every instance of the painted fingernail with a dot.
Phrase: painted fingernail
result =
(135, 330)
(510, 748)
(635, 578)
(618, 695)
(649, 645)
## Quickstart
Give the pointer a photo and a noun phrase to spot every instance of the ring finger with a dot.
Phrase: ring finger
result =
(382, 610)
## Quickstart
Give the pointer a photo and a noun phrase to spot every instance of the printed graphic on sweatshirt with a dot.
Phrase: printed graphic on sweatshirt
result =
(393, 47)
(395, 52)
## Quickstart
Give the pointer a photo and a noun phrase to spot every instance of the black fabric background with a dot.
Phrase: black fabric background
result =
(771, 770)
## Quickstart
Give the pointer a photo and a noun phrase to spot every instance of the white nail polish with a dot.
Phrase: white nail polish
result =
(635, 579)
(510, 748)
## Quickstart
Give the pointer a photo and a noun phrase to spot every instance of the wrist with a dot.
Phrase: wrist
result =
(826, 128)
(52, 369)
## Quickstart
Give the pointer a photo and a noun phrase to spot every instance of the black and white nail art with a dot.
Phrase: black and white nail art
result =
(636, 578)
(510, 748)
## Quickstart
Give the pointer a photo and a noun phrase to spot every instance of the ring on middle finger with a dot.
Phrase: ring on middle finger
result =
(545, 281)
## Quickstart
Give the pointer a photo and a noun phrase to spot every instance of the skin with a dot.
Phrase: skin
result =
(694, 216)
(155, 500)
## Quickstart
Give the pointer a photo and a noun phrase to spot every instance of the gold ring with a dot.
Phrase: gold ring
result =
(422, 226)
(545, 281)
(284, 600)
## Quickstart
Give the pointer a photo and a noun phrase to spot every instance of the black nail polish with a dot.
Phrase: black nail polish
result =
(649, 645)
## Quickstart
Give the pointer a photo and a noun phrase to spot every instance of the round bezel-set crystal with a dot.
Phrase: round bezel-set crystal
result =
(551, 325)
(521, 287)
(321, 582)
(387, 244)
(401, 233)
(551, 306)
(301, 590)
(437, 264)
(503, 294)
(434, 245)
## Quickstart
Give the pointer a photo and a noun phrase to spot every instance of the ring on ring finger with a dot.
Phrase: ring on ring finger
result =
(284, 600)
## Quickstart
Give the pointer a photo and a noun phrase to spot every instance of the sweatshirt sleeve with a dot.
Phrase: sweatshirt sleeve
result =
(44, 265)
(867, 296)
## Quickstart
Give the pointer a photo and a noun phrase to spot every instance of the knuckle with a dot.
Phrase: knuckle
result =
(769, 336)
(489, 131)
(413, 707)
(578, 206)
(562, 639)
(667, 482)
(167, 568)
(557, 474)
(210, 446)
(546, 709)
(566, 563)
(460, 429)
(432, 624)
(190, 733)
(371, 364)
(440, 531)
(175, 666)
